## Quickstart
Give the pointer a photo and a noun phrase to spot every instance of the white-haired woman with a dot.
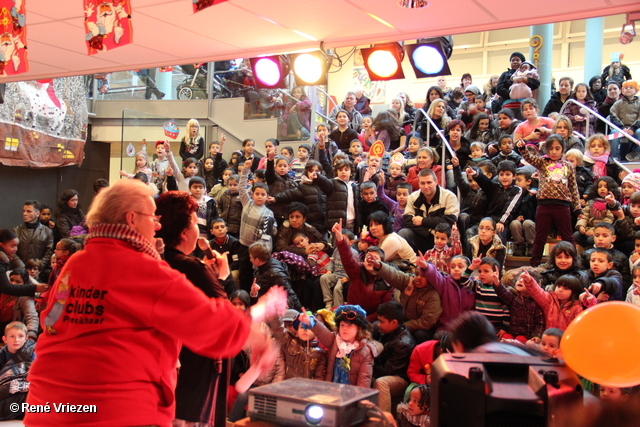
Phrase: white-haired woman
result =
(125, 315)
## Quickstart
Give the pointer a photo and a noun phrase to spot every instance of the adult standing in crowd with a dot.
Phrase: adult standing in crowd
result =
(69, 214)
(116, 345)
(349, 105)
(505, 82)
(201, 390)
(36, 239)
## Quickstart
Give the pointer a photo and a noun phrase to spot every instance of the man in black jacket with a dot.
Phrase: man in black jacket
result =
(390, 366)
(36, 240)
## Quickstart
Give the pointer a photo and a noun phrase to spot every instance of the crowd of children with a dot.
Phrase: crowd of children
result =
(368, 223)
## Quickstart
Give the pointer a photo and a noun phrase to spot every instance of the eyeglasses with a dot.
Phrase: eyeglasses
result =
(156, 218)
(485, 229)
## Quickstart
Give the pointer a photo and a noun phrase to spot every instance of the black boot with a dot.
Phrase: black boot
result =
(520, 249)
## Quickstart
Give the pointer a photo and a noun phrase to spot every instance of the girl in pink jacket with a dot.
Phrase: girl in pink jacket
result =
(563, 304)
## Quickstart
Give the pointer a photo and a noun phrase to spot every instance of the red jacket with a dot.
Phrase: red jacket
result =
(368, 295)
(117, 339)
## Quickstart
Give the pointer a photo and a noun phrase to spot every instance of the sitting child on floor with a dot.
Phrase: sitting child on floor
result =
(15, 360)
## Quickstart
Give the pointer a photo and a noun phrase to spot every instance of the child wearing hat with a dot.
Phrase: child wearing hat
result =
(303, 358)
(630, 184)
(351, 350)
(616, 71)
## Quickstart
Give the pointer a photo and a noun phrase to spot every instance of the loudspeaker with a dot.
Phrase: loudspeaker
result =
(490, 390)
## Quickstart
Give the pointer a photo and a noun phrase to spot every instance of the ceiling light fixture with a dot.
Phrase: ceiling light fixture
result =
(384, 61)
(310, 68)
(628, 31)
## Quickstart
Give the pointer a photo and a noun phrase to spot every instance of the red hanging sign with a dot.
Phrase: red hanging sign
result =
(199, 5)
(13, 50)
(108, 25)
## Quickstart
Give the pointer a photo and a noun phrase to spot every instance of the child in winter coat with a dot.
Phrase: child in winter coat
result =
(563, 304)
(526, 318)
(351, 351)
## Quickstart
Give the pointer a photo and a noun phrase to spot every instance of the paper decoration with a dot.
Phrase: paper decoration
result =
(13, 49)
(166, 69)
(377, 149)
(171, 129)
(131, 150)
(398, 158)
(37, 128)
(108, 25)
(200, 5)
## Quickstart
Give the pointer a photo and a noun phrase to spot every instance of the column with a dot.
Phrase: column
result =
(163, 82)
(593, 48)
(541, 45)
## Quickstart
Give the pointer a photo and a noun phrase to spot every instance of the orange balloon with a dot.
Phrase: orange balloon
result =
(602, 344)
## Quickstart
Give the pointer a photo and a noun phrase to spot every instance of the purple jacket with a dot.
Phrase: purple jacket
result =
(454, 298)
(394, 209)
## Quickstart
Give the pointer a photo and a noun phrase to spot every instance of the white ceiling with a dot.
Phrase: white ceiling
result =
(167, 32)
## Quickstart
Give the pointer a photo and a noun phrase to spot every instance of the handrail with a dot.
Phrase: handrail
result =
(591, 112)
(607, 121)
(445, 144)
(329, 109)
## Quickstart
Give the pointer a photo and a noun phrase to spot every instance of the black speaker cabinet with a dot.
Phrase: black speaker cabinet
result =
(491, 390)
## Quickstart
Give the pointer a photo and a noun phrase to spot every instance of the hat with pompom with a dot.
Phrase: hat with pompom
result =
(633, 179)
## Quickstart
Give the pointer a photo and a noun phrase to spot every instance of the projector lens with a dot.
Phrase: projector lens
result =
(314, 414)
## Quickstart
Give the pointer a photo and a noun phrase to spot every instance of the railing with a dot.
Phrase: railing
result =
(589, 112)
(445, 143)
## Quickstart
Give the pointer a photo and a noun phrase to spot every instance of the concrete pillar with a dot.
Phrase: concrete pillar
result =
(541, 44)
(593, 48)
(163, 82)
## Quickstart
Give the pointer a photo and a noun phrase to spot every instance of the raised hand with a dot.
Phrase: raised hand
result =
(470, 172)
(337, 230)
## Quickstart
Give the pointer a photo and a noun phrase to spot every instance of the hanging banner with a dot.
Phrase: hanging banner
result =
(13, 50)
(199, 5)
(43, 124)
(108, 25)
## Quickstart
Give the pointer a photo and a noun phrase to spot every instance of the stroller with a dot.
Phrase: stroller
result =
(194, 85)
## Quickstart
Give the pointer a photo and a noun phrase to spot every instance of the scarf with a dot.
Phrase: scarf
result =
(124, 233)
(599, 164)
(598, 208)
(345, 348)
(416, 420)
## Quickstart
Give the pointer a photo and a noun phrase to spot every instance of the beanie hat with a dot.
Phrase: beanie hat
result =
(352, 314)
(289, 315)
(517, 54)
(298, 324)
(473, 88)
(633, 179)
